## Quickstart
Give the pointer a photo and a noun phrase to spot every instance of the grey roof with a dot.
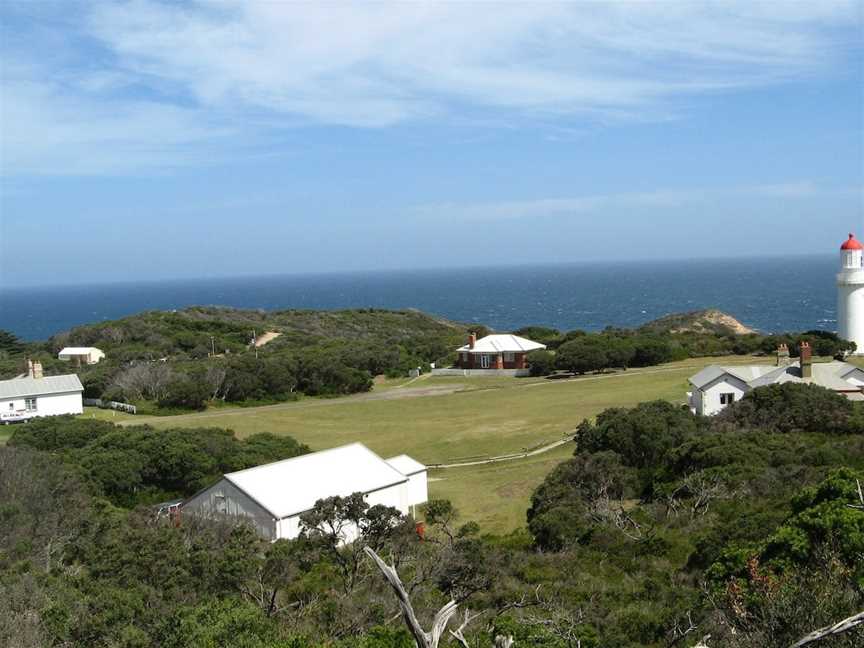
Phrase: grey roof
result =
(26, 387)
(713, 372)
(831, 375)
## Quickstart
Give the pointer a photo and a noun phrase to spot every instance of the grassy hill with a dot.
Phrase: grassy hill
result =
(710, 321)
(196, 331)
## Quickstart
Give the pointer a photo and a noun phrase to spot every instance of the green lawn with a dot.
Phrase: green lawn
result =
(496, 495)
(486, 417)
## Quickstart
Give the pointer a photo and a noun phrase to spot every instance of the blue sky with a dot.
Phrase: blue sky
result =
(151, 140)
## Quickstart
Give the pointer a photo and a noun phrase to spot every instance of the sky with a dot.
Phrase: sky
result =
(148, 140)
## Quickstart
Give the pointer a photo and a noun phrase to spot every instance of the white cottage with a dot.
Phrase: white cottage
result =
(715, 387)
(81, 355)
(34, 395)
(273, 496)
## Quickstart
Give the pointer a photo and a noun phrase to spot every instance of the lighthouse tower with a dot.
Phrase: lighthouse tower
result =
(850, 293)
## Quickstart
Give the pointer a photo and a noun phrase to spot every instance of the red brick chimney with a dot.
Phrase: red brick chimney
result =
(806, 360)
(472, 340)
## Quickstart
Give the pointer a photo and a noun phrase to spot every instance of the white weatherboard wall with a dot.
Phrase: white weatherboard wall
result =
(710, 396)
(46, 405)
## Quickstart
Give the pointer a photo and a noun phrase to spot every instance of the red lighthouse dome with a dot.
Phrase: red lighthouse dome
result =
(852, 244)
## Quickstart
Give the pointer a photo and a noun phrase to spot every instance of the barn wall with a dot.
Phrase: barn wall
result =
(224, 499)
(417, 489)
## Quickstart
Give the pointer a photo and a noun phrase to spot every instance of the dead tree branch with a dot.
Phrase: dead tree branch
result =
(422, 638)
(457, 633)
(837, 628)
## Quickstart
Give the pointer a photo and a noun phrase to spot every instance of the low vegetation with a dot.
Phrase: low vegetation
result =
(662, 528)
(184, 360)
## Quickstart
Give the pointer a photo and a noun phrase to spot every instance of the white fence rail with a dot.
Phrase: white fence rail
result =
(103, 404)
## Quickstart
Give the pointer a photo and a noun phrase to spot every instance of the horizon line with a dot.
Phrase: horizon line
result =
(397, 270)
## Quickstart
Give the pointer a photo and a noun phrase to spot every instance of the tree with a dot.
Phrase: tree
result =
(791, 407)
(541, 362)
(343, 526)
(582, 355)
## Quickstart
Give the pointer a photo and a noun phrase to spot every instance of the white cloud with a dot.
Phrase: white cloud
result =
(157, 81)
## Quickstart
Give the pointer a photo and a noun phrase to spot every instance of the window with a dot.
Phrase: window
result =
(484, 360)
(509, 357)
(727, 398)
(11, 406)
(30, 404)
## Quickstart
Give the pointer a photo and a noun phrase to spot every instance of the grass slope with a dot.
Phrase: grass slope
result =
(485, 417)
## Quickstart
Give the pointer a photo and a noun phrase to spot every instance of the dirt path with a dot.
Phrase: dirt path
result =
(508, 457)
(264, 338)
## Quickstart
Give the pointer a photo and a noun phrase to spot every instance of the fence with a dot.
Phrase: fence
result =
(122, 407)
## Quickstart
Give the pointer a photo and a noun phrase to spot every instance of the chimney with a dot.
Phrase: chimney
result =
(29, 368)
(472, 340)
(782, 355)
(37, 369)
(806, 360)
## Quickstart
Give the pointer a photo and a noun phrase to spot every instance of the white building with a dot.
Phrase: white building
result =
(81, 355)
(498, 354)
(850, 293)
(715, 387)
(35, 395)
(273, 496)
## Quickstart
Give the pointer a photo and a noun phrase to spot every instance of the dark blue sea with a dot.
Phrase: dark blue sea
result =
(776, 294)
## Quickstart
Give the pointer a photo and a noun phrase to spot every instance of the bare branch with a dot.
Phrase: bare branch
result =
(859, 507)
(837, 628)
(457, 634)
(422, 638)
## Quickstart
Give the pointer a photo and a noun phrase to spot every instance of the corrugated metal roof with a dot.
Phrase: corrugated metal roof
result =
(503, 343)
(292, 486)
(831, 375)
(406, 465)
(26, 387)
(78, 350)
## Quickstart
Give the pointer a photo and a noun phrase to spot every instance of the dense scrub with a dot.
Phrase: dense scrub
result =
(183, 359)
(662, 528)
(164, 361)
(583, 352)
(142, 465)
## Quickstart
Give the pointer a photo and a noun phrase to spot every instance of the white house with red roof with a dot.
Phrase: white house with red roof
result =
(850, 293)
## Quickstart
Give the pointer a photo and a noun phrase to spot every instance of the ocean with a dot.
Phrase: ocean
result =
(769, 294)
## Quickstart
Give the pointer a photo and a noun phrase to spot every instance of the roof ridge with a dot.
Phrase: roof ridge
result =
(309, 454)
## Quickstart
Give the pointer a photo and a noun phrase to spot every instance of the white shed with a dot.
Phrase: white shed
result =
(273, 496)
(29, 397)
(418, 492)
(81, 355)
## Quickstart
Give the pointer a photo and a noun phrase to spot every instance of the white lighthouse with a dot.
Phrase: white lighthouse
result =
(850, 293)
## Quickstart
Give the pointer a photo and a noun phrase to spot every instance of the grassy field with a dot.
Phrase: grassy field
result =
(465, 419)
(480, 417)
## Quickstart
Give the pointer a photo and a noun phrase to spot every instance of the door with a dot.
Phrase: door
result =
(484, 360)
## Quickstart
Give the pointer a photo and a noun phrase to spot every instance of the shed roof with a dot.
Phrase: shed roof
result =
(291, 486)
(27, 386)
(406, 465)
(78, 350)
(503, 343)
